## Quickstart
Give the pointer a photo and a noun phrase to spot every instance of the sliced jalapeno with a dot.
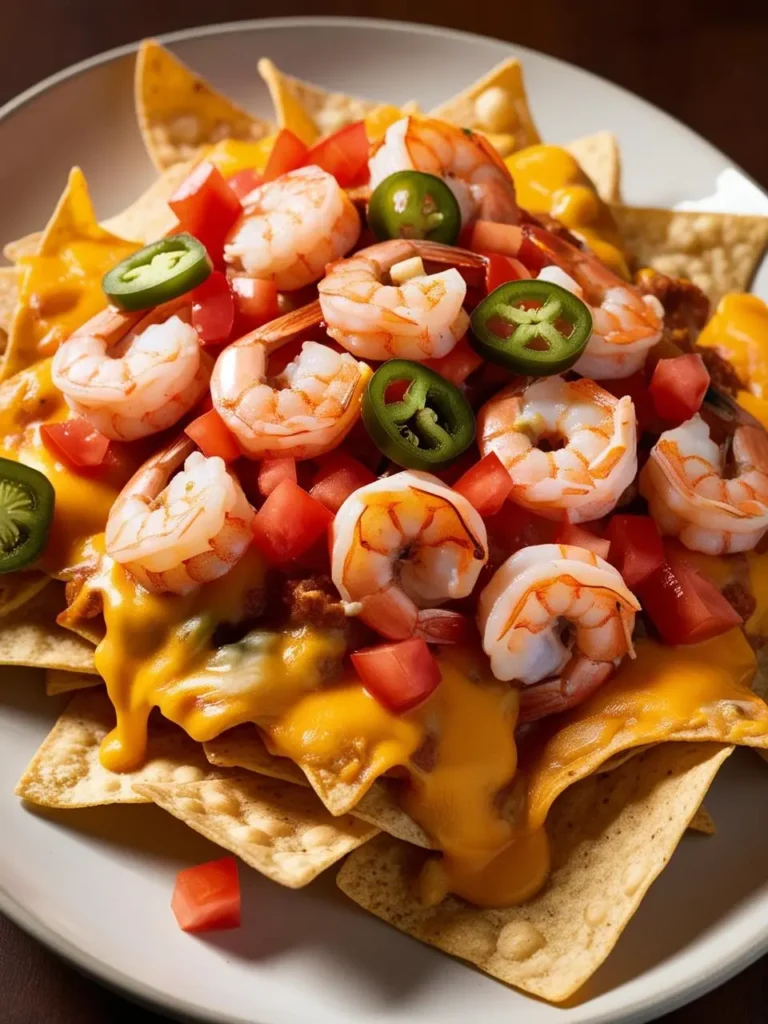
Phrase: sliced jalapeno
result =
(535, 328)
(411, 204)
(157, 273)
(26, 510)
(417, 418)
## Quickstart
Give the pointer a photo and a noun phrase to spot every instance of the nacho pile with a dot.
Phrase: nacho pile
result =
(503, 767)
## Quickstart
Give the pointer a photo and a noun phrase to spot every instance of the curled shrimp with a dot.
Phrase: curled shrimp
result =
(465, 160)
(691, 497)
(133, 374)
(176, 532)
(558, 619)
(304, 411)
(402, 546)
(291, 228)
(625, 323)
(421, 319)
(583, 479)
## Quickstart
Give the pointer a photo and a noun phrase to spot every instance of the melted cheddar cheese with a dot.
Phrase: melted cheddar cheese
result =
(549, 180)
(738, 330)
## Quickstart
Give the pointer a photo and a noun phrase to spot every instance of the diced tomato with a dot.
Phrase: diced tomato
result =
(343, 154)
(636, 548)
(212, 436)
(255, 302)
(400, 675)
(75, 441)
(678, 387)
(486, 485)
(635, 386)
(458, 364)
(287, 154)
(338, 476)
(515, 527)
(273, 471)
(206, 898)
(445, 626)
(507, 240)
(213, 309)
(244, 182)
(502, 269)
(572, 533)
(288, 523)
(684, 607)
(206, 207)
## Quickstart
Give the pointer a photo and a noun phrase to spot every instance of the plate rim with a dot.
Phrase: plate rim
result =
(672, 997)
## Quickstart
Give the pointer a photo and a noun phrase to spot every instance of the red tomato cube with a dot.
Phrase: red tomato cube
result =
(255, 302)
(486, 485)
(580, 537)
(636, 548)
(288, 523)
(213, 309)
(458, 364)
(76, 442)
(272, 472)
(206, 898)
(339, 476)
(400, 675)
(212, 436)
(343, 154)
(678, 387)
(206, 207)
(287, 154)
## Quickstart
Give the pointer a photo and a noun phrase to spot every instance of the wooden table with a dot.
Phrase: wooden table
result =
(703, 62)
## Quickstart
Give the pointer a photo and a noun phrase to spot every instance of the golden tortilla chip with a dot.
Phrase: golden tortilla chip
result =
(719, 252)
(21, 247)
(496, 104)
(243, 747)
(281, 830)
(60, 286)
(308, 110)
(611, 836)
(600, 159)
(57, 682)
(703, 822)
(180, 113)
(18, 588)
(29, 635)
(9, 296)
(66, 771)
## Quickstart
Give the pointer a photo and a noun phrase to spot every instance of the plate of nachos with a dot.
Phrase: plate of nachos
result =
(383, 515)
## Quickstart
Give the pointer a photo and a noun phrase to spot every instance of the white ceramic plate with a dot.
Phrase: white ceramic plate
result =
(95, 884)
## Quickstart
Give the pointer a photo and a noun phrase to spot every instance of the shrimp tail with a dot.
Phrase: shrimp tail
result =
(580, 678)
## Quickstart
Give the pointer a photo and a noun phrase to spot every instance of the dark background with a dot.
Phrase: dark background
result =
(705, 62)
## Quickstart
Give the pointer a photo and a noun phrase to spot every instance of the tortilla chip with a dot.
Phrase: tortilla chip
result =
(281, 830)
(703, 822)
(600, 159)
(18, 588)
(66, 771)
(57, 682)
(30, 636)
(9, 296)
(310, 111)
(60, 286)
(21, 247)
(180, 113)
(150, 217)
(243, 747)
(719, 252)
(611, 836)
(510, 115)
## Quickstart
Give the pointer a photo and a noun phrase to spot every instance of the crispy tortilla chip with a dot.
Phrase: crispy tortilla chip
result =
(281, 830)
(60, 287)
(496, 104)
(66, 771)
(243, 747)
(611, 837)
(600, 159)
(18, 588)
(179, 113)
(308, 110)
(703, 822)
(719, 252)
(150, 217)
(30, 636)
(57, 682)
(21, 247)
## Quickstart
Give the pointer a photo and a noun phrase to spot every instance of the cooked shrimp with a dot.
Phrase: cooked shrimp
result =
(174, 536)
(580, 481)
(291, 228)
(133, 374)
(304, 411)
(402, 544)
(625, 323)
(467, 162)
(421, 319)
(691, 497)
(558, 616)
